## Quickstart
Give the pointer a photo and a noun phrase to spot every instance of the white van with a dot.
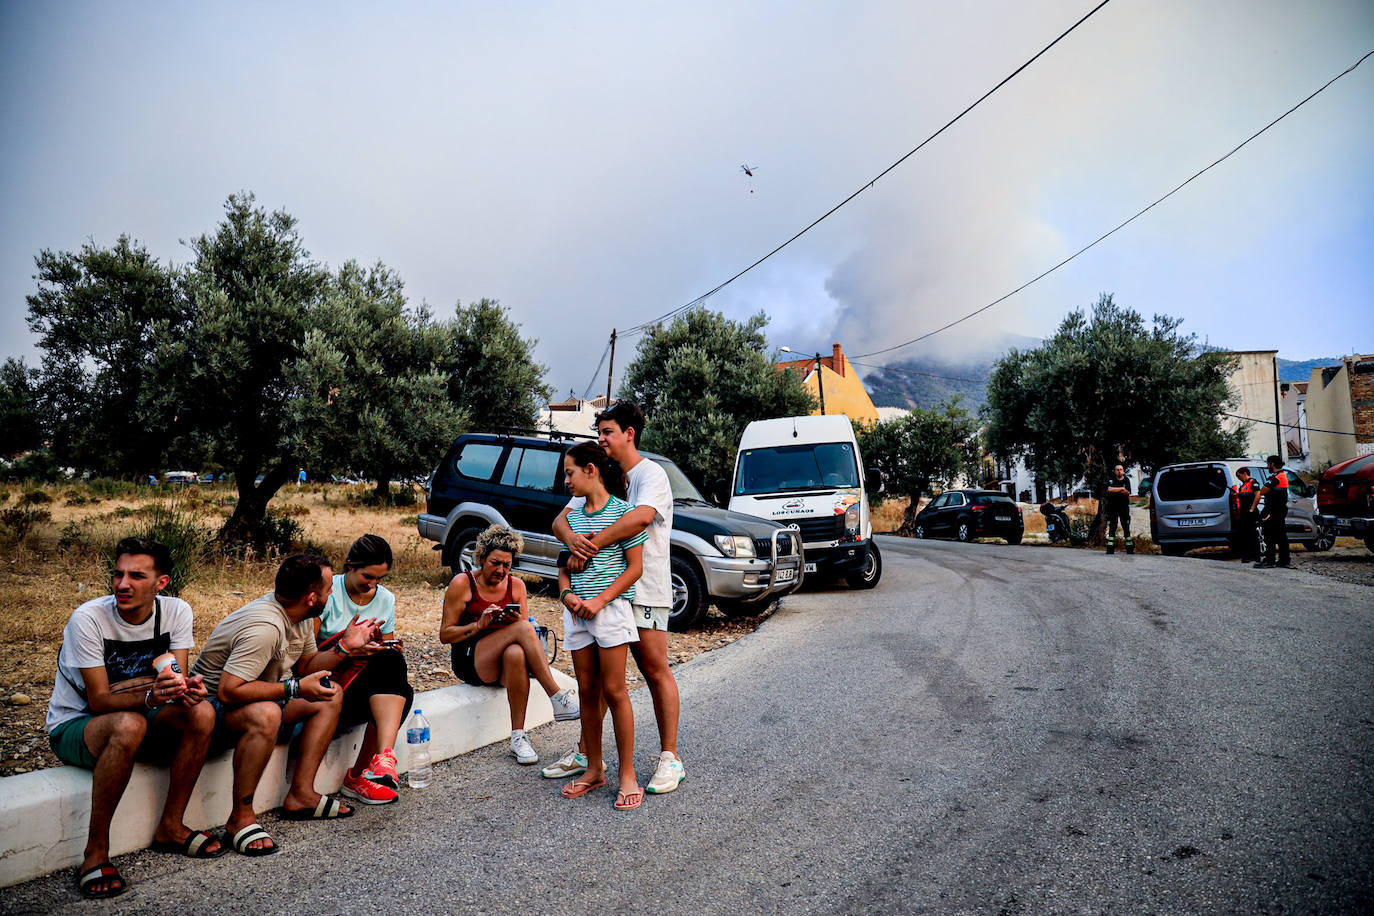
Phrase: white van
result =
(807, 473)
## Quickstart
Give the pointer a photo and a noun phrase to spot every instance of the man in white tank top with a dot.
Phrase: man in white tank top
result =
(619, 428)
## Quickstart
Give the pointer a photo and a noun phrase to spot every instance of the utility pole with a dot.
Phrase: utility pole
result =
(820, 382)
(1278, 417)
(610, 371)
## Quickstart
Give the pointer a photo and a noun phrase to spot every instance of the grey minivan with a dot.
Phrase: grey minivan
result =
(1194, 505)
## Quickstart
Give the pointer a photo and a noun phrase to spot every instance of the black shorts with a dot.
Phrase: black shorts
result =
(465, 664)
(385, 673)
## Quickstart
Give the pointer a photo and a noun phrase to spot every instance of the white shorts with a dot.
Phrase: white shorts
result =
(613, 625)
(651, 618)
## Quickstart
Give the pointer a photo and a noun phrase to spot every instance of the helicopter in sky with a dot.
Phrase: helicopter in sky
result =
(748, 169)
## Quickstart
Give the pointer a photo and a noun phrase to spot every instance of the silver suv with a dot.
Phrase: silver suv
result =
(1194, 505)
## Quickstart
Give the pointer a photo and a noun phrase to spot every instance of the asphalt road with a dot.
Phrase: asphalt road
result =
(993, 730)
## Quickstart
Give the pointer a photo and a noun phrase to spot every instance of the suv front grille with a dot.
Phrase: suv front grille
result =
(821, 529)
(787, 546)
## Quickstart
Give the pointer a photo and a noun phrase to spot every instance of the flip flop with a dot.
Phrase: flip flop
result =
(193, 847)
(328, 808)
(105, 871)
(577, 788)
(632, 800)
(251, 834)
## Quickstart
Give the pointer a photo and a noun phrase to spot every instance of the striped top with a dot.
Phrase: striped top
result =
(609, 562)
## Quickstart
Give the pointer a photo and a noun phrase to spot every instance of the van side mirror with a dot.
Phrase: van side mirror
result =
(720, 492)
(874, 479)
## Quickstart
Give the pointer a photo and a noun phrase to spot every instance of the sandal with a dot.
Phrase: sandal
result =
(251, 834)
(328, 808)
(106, 872)
(577, 788)
(628, 801)
(193, 847)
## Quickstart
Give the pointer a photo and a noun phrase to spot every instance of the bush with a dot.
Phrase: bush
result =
(20, 520)
(279, 535)
(38, 464)
(74, 539)
(36, 497)
(107, 487)
(1079, 527)
(184, 532)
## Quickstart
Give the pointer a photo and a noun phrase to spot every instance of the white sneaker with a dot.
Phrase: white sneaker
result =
(570, 764)
(522, 750)
(669, 774)
(565, 705)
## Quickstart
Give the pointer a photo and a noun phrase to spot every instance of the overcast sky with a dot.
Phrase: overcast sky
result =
(580, 161)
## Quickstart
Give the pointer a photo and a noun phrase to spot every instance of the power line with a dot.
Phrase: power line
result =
(1123, 225)
(1333, 432)
(816, 222)
(596, 373)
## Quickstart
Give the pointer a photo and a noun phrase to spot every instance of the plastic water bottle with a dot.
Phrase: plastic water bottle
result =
(417, 745)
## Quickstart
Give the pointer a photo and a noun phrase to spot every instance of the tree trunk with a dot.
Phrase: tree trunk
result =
(245, 524)
(382, 492)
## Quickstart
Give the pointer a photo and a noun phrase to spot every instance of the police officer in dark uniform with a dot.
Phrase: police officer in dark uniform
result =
(1245, 490)
(1119, 509)
(1274, 519)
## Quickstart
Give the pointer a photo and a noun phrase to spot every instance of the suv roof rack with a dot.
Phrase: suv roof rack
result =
(508, 431)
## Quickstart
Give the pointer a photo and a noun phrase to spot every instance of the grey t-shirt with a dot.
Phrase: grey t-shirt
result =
(83, 646)
(258, 642)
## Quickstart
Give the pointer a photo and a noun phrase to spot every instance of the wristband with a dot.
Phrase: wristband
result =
(148, 698)
(564, 594)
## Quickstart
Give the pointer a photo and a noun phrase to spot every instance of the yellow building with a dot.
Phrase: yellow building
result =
(837, 385)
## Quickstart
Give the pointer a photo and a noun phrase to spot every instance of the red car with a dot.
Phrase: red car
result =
(1345, 498)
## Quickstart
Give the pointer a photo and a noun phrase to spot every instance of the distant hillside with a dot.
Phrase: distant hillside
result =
(1293, 370)
(930, 378)
(931, 375)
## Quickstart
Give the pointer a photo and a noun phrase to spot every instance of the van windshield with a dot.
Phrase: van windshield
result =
(814, 466)
(1183, 484)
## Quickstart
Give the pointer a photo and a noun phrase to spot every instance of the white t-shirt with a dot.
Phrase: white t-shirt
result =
(647, 485)
(83, 646)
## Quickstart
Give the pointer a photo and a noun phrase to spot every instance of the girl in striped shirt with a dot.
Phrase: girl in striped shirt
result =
(598, 623)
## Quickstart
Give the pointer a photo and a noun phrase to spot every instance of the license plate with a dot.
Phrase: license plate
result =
(1191, 522)
(786, 575)
(810, 567)
(1004, 518)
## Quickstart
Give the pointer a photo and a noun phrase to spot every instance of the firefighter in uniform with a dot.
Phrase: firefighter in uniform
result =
(1245, 490)
(1119, 509)
(1275, 516)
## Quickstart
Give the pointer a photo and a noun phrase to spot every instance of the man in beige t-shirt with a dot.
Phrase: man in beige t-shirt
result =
(263, 671)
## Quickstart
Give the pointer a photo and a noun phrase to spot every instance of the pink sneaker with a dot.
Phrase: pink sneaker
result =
(382, 770)
(366, 791)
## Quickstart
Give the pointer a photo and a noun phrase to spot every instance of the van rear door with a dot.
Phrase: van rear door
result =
(1193, 501)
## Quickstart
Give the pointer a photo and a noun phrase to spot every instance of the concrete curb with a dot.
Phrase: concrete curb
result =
(44, 815)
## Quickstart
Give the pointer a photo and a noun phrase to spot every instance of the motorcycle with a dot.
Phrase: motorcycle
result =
(1056, 523)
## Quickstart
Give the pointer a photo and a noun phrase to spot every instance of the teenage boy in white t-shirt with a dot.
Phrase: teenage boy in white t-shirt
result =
(109, 702)
(619, 428)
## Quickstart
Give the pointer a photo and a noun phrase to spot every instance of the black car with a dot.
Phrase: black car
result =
(737, 562)
(969, 514)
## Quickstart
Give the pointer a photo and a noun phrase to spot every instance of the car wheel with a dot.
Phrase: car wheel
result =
(689, 596)
(1014, 539)
(921, 531)
(869, 574)
(1325, 540)
(965, 532)
(463, 551)
(1369, 541)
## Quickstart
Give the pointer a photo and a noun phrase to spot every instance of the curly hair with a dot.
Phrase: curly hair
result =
(498, 537)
